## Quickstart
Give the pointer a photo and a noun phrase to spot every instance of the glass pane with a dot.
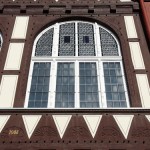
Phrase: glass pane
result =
(32, 97)
(44, 44)
(109, 45)
(71, 80)
(67, 39)
(114, 86)
(45, 96)
(86, 39)
(108, 88)
(39, 85)
(71, 98)
(33, 88)
(88, 85)
(65, 80)
(82, 88)
(38, 96)
(65, 86)
(109, 96)
(94, 88)
(89, 88)
(40, 88)
(71, 88)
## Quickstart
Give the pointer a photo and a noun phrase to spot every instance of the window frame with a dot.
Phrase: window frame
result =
(124, 83)
(1, 38)
(54, 59)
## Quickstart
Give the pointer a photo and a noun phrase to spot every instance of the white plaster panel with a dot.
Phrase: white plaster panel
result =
(14, 56)
(92, 122)
(20, 27)
(144, 89)
(130, 27)
(124, 123)
(8, 90)
(61, 122)
(148, 117)
(30, 122)
(3, 121)
(136, 55)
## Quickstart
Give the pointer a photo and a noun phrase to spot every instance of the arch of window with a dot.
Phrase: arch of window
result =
(76, 65)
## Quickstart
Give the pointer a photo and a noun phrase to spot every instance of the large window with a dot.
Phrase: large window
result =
(76, 65)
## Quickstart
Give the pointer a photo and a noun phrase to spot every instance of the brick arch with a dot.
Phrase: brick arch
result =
(103, 22)
(108, 23)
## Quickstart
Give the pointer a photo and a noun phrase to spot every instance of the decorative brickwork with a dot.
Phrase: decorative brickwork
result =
(77, 135)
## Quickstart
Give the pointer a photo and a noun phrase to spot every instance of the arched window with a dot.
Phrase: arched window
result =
(1, 41)
(76, 65)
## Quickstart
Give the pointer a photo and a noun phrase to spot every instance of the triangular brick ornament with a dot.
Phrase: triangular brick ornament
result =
(148, 117)
(30, 122)
(92, 122)
(61, 122)
(124, 123)
(3, 121)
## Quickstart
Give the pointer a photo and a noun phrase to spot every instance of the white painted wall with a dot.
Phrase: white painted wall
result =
(14, 56)
(130, 27)
(144, 89)
(3, 121)
(8, 90)
(136, 55)
(20, 27)
(124, 123)
(31, 122)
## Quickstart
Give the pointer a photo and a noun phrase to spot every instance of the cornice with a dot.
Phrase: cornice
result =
(67, 7)
(75, 111)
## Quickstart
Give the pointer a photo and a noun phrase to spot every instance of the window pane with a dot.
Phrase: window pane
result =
(88, 85)
(45, 96)
(32, 96)
(65, 86)
(86, 39)
(67, 39)
(39, 90)
(114, 86)
(44, 44)
(109, 45)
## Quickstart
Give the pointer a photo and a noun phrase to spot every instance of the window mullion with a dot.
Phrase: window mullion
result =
(55, 41)
(99, 83)
(52, 86)
(102, 85)
(97, 41)
(76, 38)
(77, 100)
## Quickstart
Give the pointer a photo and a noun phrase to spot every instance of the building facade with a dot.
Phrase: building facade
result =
(75, 75)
